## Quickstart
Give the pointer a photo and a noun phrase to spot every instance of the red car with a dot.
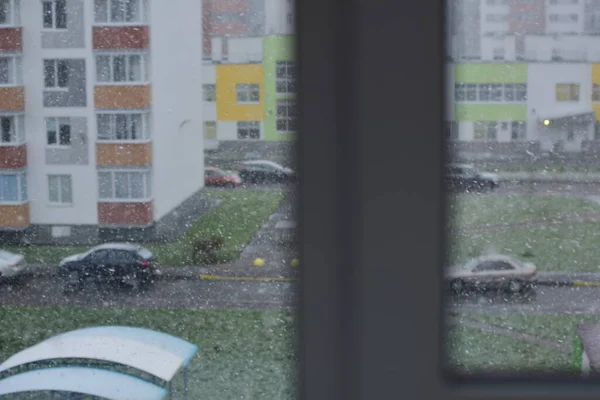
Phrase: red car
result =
(216, 177)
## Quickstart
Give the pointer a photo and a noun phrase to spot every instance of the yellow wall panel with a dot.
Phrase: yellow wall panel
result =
(230, 75)
(595, 73)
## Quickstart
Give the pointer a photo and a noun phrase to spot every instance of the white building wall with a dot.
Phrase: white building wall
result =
(84, 209)
(542, 103)
(493, 46)
(279, 17)
(245, 50)
(227, 130)
(494, 17)
(564, 11)
(176, 102)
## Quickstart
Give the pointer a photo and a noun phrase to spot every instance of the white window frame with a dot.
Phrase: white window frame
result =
(146, 179)
(19, 128)
(17, 66)
(212, 91)
(57, 121)
(240, 125)
(486, 137)
(286, 79)
(54, 27)
(61, 178)
(55, 88)
(22, 192)
(144, 14)
(146, 126)
(287, 117)
(516, 88)
(15, 14)
(247, 88)
(144, 65)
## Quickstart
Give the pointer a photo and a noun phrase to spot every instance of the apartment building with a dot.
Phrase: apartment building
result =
(100, 118)
(237, 18)
(251, 95)
(480, 28)
(554, 104)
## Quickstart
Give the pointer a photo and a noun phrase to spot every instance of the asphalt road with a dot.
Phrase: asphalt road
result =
(191, 294)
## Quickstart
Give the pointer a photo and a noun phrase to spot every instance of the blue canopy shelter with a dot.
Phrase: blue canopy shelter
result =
(154, 353)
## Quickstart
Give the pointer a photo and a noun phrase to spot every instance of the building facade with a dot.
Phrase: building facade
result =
(92, 96)
(554, 104)
(252, 94)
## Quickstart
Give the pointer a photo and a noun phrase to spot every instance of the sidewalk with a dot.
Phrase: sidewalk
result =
(541, 176)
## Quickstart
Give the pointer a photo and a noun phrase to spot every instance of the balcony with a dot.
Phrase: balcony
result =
(123, 154)
(11, 39)
(14, 216)
(12, 98)
(13, 157)
(123, 96)
(125, 214)
(120, 37)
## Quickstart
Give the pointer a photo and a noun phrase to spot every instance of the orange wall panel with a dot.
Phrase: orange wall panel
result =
(125, 213)
(120, 37)
(123, 96)
(123, 154)
(16, 216)
(12, 98)
(13, 156)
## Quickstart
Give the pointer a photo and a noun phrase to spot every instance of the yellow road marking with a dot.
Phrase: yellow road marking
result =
(243, 278)
(583, 283)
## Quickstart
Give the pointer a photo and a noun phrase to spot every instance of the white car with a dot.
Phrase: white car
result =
(11, 264)
(492, 271)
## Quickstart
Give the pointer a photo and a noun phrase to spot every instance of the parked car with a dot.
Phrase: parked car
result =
(217, 177)
(264, 171)
(492, 272)
(110, 263)
(11, 264)
(467, 177)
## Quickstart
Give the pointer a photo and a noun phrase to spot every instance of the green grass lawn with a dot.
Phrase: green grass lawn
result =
(571, 247)
(242, 354)
(237, 218)
(568, 246)
(471, 351)
(469, 210)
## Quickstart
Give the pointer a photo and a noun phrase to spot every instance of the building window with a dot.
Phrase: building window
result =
(56, 74)
(597, 131)
(122, 68)
(290, 20)
(247, 93)
(60, 189)
(209, 92)
(595, 92)
(486, 92)
(10, 71)
(120, 11)
(286, 116)
(564, 17)
(567, 92)
(13, 188)
(286, 77)
(499, 53)
(518, 130)
(9, 12)
(210, 130)
(248, 130)
(12, 129)
(124, 185)
(58, 132)
(123, 127)
(485, 130)
(55, 14)
(452, 130)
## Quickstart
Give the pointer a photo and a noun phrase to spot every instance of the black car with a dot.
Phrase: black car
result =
(466, 177)
(111, 263)
(264, 171)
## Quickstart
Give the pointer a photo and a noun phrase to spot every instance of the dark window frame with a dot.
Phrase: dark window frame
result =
(358, 339)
